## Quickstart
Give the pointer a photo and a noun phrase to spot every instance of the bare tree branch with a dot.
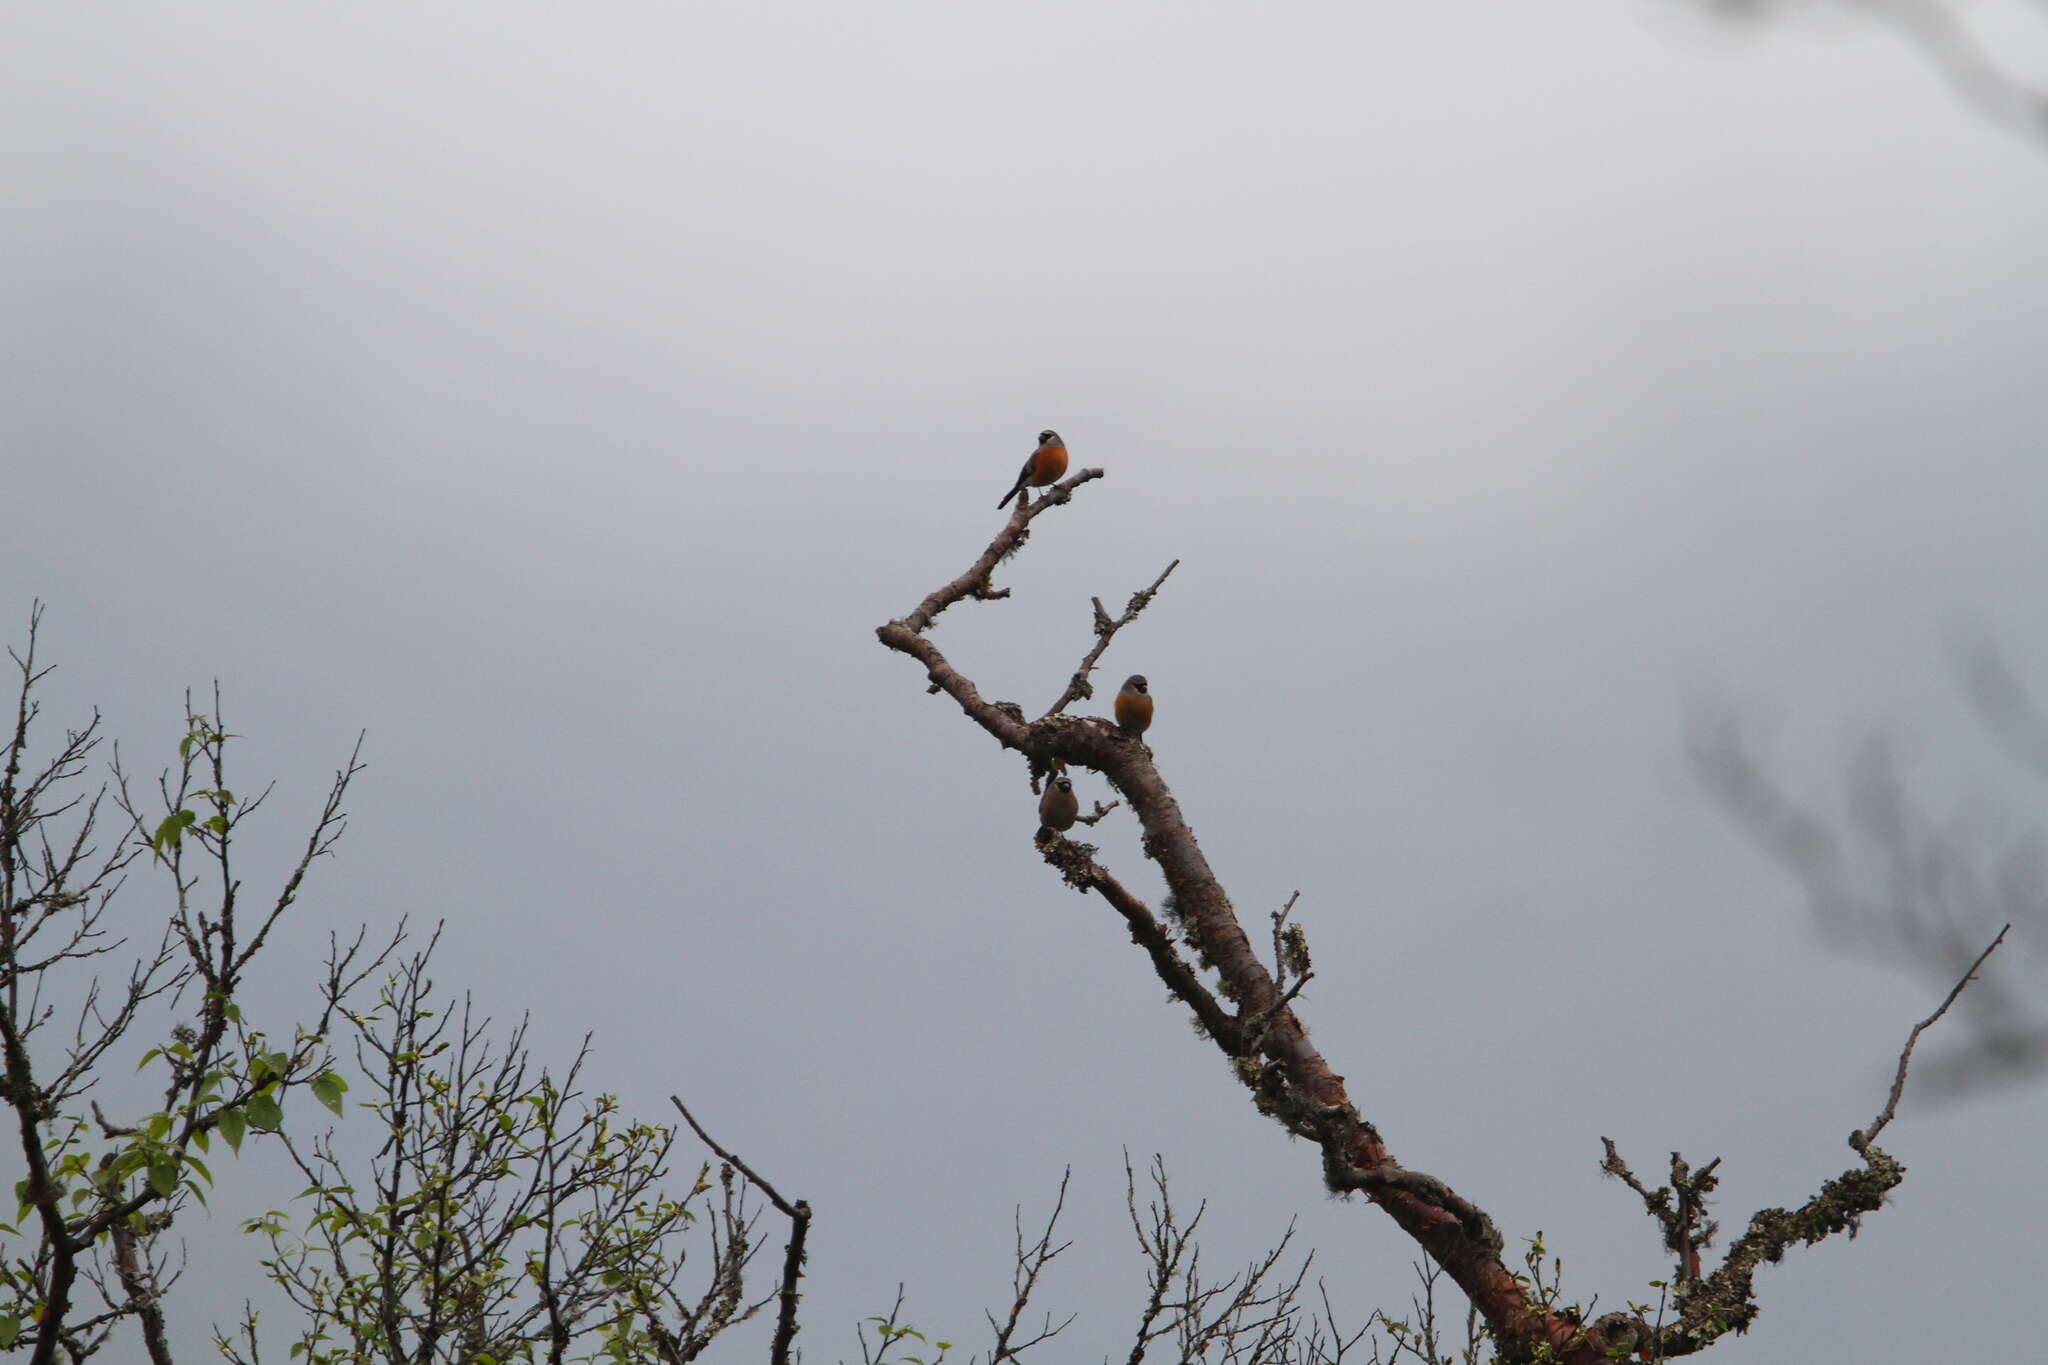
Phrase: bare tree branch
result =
(1286, 1074)
(1943, 36)
(1078, 687)
(1725, 1300)
(1030, 1262)
(1861, 1139)
(1893, 882)
(1249, 1013)
(799, 1215)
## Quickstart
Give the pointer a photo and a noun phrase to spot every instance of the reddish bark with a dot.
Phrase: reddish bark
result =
(1289, 1079)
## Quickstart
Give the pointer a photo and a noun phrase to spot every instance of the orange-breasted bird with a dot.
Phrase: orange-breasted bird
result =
(1059, 807)
(1134, 706)
(1045, 466)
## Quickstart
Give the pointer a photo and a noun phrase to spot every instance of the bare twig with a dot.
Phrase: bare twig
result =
(1725, 1300)
(1253, 1316)
(1862, 1138)
(788, 1209)
(1031, 1261)
(1096, 816)
(1892, 880)
(975, 582)
(1290, 953)
(793, 1255)
(1680, 1207)
(1078, 687)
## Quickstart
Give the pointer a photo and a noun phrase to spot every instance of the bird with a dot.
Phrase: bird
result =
(1044, 466)
(1618, 1334)
(1134, 706)
(1058, 808)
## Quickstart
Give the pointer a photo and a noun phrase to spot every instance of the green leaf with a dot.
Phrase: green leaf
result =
(218, 824)
(264, 1113)
(233, 1123)
(173, 827)
(164, 1178)
(196, 1164)
(166, 836)
(327, 1088)
(10, 1330)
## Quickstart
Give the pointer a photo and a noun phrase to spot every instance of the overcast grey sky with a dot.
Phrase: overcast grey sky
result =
(563, 394)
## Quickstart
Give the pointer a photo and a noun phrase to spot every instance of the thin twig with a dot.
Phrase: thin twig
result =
(975, 582)
(793, 1254)
(1100, 811)
(1862, 1138)
(1281, 956)
(1078, 687)
(788, 1209)
(1031, 1262)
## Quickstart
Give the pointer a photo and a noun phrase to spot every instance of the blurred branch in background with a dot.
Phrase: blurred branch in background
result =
(2004, 702)
(1949, 37)
(1887, 879)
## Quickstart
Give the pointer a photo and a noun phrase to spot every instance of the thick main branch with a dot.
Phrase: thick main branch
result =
(1269, 1048)
(1252, 1021)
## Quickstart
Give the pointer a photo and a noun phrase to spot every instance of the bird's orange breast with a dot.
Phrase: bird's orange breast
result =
(1047, 464)
(1133, 711)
